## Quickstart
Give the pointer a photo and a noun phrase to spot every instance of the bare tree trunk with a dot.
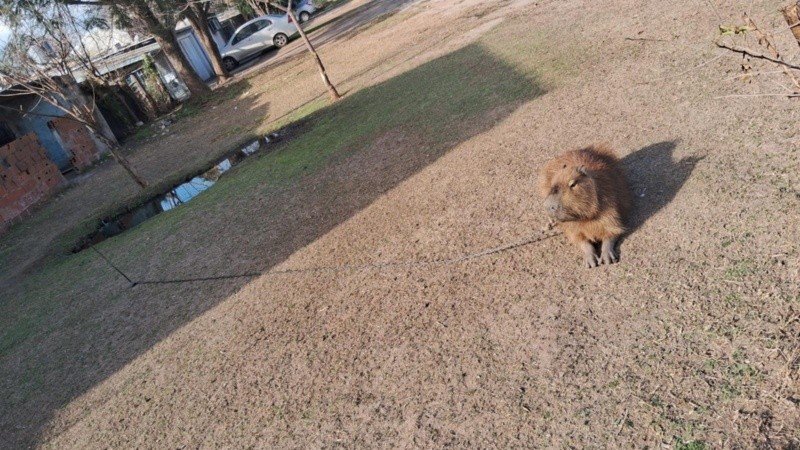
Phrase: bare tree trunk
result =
(257, 9)
(113, 148)
(94, 120)
(73, 94)
(198, 18)
(323, 73)
(127, 166)
(792, 15)
(334, 94)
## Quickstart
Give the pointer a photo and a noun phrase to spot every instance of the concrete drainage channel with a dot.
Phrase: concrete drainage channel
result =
(175, 196)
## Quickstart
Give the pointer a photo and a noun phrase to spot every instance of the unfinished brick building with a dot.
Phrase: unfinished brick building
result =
(75, 139)
(27, 175)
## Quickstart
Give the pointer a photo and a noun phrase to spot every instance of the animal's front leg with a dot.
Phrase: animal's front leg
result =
(607, 253)
(590, 258)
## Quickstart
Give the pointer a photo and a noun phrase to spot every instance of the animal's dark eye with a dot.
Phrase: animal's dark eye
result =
(565, 166)
(572, 183)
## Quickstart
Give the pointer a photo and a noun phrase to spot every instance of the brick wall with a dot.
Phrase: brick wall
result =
(26, 176)
(76, 139)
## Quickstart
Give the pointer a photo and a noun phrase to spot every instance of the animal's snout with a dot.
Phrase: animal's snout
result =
(551, 205)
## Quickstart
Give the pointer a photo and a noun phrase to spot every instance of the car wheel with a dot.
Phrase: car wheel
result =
(280, 40)
(229, 63)
(304, 16)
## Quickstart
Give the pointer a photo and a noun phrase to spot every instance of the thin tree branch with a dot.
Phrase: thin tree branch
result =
(646, 39)
(762, 37)
(748, 52)
(757, 95)
(31, 113)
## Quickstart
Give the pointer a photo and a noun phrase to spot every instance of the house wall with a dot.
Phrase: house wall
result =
(35, 121)
(27, 176)
(74, 137)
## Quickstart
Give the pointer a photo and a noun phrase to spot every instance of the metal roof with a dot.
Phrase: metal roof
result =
(123, 58)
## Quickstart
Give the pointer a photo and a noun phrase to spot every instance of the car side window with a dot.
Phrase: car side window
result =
(245, 33)
(261, 24)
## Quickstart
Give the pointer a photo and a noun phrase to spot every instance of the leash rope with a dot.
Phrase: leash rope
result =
(351, 267)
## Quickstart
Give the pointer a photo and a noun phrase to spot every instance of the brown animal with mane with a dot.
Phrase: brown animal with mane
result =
(586, 192)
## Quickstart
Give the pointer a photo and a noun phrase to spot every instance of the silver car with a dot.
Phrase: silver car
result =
(255, 36)
(303, 10)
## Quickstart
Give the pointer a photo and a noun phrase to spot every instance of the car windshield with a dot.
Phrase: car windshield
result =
(248, 31)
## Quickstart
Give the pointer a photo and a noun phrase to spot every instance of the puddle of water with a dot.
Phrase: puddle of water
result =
(176, 196)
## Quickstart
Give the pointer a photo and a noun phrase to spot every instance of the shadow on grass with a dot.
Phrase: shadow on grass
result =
(655, 178)
(342, 159)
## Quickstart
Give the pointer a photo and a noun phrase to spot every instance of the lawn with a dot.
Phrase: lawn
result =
(423, 112)
(231, 338)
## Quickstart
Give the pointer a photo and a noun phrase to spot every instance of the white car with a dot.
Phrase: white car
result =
(255, 36)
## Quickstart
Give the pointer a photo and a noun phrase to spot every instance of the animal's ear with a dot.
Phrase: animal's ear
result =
(582, 170)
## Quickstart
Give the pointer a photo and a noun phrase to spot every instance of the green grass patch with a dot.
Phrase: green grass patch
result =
(144, 133)
(681, 444)
(740, 270)
(216, 97)
(227, 92)
(710, 365)
(37, 299)
(655, 401)
(300, 113)
(728, 391)
(741, 369)
(732, 300)
(432, 103)
(187, 110)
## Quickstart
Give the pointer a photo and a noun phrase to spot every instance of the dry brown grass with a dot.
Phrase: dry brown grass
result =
(690, 342)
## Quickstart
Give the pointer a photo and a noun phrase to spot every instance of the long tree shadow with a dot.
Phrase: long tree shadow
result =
(655, 179)
(340, 162)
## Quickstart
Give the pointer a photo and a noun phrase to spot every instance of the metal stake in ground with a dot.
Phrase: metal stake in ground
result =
(133, 283)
